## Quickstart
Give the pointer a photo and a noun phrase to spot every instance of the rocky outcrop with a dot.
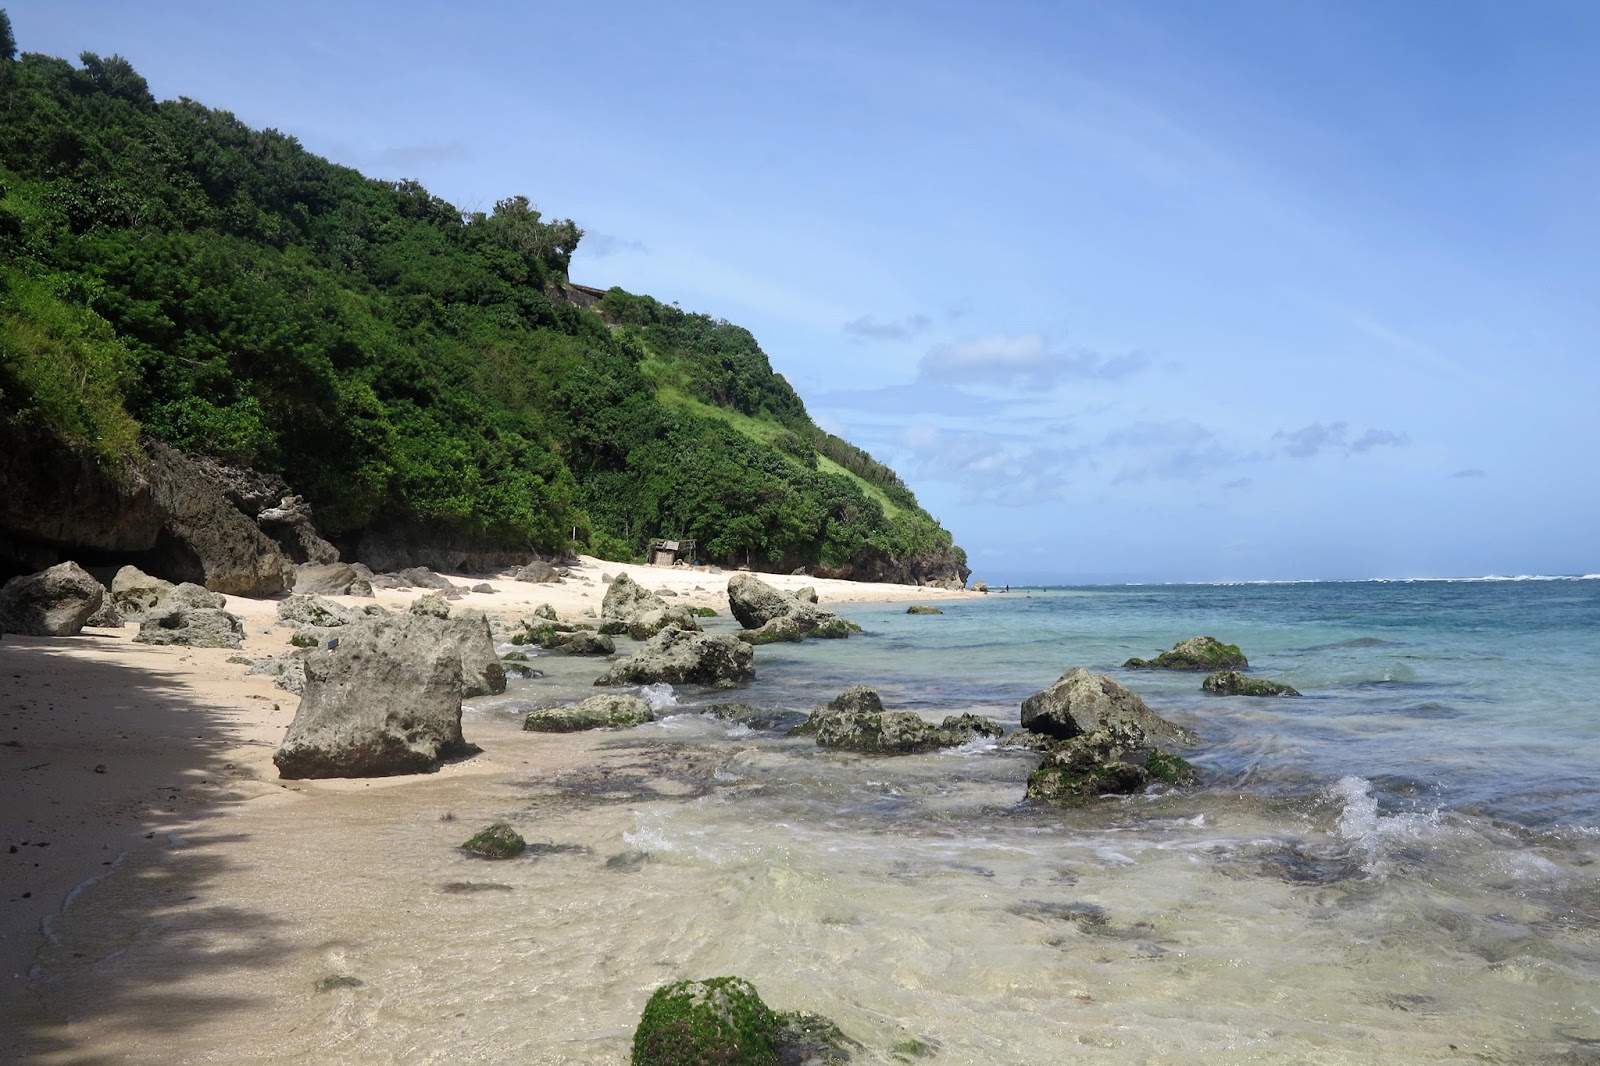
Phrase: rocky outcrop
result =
(941, 569)
(432, 604)
(288, 672)
(1118, 759)
(681, 657)
(332, 579)
(289, 523)
(386, 701)
(56, 602)
(107, 617)
(723, 1020)
(1233, 683)
(481, 672)
(133, 592)
(769, 614)
(744, 714)
(303, 609)
(596, 712)
(631, 608)
(856, 721)
(1196, 653)
(388, 545)
(1081, 702)
(192, 617)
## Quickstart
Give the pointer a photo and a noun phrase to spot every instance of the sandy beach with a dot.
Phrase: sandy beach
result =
(110, 750)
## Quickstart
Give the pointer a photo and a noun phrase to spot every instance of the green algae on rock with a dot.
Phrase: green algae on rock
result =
(922, 608)
(1118, 759)
(1233, 683)
(498, 841)
(1196, 653)
(723, 1020)
(597, 712)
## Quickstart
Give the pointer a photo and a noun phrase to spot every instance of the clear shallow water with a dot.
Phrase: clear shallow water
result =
(1399, 867)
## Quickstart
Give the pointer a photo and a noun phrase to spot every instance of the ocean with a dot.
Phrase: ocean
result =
(1401, 866)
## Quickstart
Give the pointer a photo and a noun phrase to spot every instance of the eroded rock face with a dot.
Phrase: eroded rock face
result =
(205, 539)
(755, 603)
(1196, 653)
(1082, 702)
(193, 617)
(1233, 683)
(289, 523)
(332, 579)
(481, 672)
(133, 592)
(56, 602)
(386, 701)
(680, 657)
(597, 712)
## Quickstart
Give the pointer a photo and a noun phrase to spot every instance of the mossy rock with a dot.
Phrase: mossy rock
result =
(702, 612)
(1173, 769)
(304, 640)
(922, 608)
(498, 841)
(1233, 683)
(722, 1020)
(597, 712)
(1196, 653)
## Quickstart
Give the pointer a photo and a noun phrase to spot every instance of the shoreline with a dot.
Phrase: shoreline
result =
(111, 748)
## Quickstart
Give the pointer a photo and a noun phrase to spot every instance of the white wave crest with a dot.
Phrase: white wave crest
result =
(659, 696)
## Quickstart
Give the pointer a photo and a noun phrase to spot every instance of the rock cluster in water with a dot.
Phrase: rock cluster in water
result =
(597, 712)
(631, 608)
(680, 657)
(855, 720)
(1196, 653)
(769, 614)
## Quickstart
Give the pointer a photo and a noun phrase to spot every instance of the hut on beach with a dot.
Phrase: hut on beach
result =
(671, 552)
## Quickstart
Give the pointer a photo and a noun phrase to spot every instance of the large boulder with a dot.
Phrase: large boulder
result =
(679, 657)
(331, 579)
(309, 609)
(481, 672)
(1233, 683)
(580, 642)
(1196, 653)
(133, 592)
(1081, 702)
(538, 571)
(597, 712)
(723, 1020)
(386, 701)
(631, 608)
(1118, 759)
(56, 602)
(192, 617)
(755, 603)
(769, 614)
(856, 721)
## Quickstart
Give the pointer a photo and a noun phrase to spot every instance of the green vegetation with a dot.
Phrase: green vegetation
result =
(498, 841)
(166, 270)
(722, 1020)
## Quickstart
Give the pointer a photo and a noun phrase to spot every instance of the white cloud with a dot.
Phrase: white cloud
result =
(1025, 361)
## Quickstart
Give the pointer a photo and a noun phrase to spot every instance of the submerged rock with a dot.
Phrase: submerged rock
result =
(679, 657)
(922, 608)
(57, 602)
(498, 841)
(856, 721)
(723, 1020)
(1118, 759)
(1196, 653)
(744, 714)
(1233, 683)
(596, 712)
(1081, 702)
(386, 701)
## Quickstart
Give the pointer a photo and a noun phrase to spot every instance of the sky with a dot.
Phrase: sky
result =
(1126, 291)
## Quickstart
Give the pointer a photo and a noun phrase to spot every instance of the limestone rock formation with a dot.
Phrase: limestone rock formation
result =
(723, 1020)
(56, 602)
(856, 721)
(631, 608)
(681, 657)
(193, 617)
(597, 712)
(498, 841)
(133, 592)
(1082, 702)
(1117, 759)
(386, 701)
(769, 614)
(333, 579)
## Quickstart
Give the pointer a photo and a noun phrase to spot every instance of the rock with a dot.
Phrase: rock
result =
(666, 593)
(1081, 702)
(386, 701)
(972, 725)
(420, 577)
(483, 588)
(192, 617)
(779, 629)
(544, 610)
(723, 1020)
(681, 657)
(856, 721)
(431, 604)
(133, 592)
(757, 605)
(1233, 683)
(330, 579)
(980, 586)
(580, 643)
(806, 595)
(606, 579)
(714, 570)
(498, 841)
(743, 714)
(538, 571)
(309, 609)
(107, 617)
(289, 523)
(647, 624)
(1196, 653)
(288, 672)
(56, 602)
(208, 540)
(919, 608)
(633, 609)
(627, 598)
(1114, 760)
(596, 712)
(481, 672)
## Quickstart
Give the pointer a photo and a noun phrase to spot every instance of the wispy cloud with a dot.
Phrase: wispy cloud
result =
(603, 245)
(868, 328)
(992, 468)
(1307, 441)
(1025, 361)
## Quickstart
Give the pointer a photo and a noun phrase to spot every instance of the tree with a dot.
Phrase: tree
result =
(115, 76)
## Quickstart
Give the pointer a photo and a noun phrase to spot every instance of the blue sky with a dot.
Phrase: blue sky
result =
(1125, 291)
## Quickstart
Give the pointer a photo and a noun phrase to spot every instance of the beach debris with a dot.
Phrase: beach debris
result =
(498, 841)
(190, 616)
(1233, 683)
(922, 608)
(680, 657)
(1081, 702)
(1196, 653)
(388, 701)
(723, 1019)
(631, 608)
(769, 614)
(597, 712)
(855, 720)
(56, 602)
